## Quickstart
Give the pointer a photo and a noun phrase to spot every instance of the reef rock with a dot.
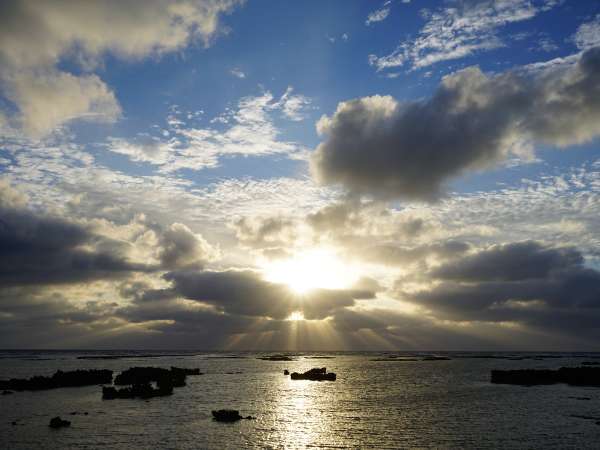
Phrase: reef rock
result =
(140, 375)
(276, 358)
(226, 415)
(138, 390)
(57, 422)
(58, 380)
(316, 374)
(574, 376)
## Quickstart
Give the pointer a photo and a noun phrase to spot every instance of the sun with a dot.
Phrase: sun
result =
(312, 269)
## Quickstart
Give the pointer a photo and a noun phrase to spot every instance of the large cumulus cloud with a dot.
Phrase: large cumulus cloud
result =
(36, 37)
(380, 146)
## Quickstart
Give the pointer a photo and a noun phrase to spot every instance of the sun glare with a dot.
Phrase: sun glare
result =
(312, 269)
(295, 316)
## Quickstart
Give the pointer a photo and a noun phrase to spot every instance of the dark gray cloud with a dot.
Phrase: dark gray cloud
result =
(379, 146)
(526, 282)
(244, 292)
(511, 262)
(40, 249)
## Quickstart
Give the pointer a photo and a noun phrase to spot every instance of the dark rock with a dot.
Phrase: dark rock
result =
(319, 357)
(57, 422)
(138, 390)
(276, 358)
(574, 376)
(436, 358)
(58, 380)
(140, 375)
(395, 359)
(286, 372)
(316, 374)
(13, 423)
(7, 392)
(580, 398)
(226, 415)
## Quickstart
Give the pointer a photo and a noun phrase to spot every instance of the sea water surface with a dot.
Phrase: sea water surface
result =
(375, 403)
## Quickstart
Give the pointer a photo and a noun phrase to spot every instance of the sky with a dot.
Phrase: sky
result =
(269, 175)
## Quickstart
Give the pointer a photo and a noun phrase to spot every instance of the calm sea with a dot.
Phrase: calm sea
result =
(373, 404)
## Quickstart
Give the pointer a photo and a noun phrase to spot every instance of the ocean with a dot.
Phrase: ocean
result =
(379, 400)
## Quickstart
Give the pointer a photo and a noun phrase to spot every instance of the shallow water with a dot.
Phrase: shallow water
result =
(373, 404)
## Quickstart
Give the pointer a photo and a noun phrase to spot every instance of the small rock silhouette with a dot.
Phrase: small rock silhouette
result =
(57, 422)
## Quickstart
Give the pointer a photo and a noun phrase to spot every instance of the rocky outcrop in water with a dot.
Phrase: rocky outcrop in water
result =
(57, 422)
(141, 381)
(140, 375)
(574, 376)
(58, 380)
(228, 415)
(316, 374)
(276, 358)
(286, 372)
(138, 390)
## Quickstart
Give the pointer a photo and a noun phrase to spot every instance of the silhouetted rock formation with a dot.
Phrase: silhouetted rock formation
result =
(436, 358)
(316, 374)
(399, 359)
(574, 376)
(58, 380)
(228, 415)
(138, 390)
(286, 372)
(140, 375)
(57, 422)
(141, 379)
(276, 358)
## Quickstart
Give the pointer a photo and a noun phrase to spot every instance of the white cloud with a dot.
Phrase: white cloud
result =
(294, 106)
(36, 36)
(249, 130)
(460, 30)
(377, 16)
(588, 34)
(153, 151)
(237, 73)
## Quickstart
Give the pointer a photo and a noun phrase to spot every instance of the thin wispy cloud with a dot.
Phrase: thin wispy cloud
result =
(461, 29)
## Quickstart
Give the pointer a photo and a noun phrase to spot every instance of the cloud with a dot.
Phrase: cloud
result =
(393, 254)
(294, 106)
(238, 73)
(247, 130)
(497, 263)
(379, 146)
(459, 30)
(525, 282)
(260, 232)
(180, 247)
(377, 16)
(588, 34)
(149, 150)
(36, 37)
(42, 249)
(244, 292)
